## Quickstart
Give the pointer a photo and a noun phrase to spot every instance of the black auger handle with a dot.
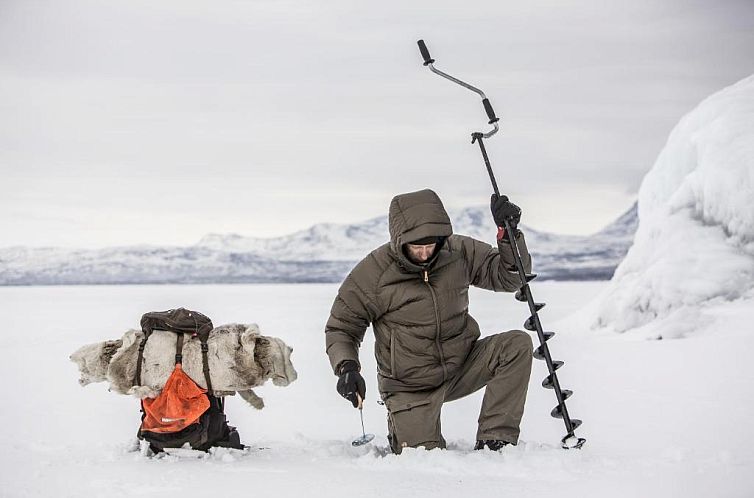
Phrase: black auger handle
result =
(425, 53)
(490, 111)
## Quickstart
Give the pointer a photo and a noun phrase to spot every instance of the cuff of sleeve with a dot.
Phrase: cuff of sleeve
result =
(501, 235)
(347, 366)
(340, 353)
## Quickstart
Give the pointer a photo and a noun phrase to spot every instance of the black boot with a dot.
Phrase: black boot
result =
(492, 444)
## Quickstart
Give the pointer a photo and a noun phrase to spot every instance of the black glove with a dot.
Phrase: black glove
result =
(351, 382)
(503, 209)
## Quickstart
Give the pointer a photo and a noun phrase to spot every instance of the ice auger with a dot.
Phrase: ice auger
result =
(524, 294)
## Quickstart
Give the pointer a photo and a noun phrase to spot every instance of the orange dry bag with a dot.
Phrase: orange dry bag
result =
(179, 405)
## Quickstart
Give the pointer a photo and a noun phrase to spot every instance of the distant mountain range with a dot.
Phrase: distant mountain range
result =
(323, 253)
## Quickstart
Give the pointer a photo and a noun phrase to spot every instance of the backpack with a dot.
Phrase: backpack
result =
(183, 412)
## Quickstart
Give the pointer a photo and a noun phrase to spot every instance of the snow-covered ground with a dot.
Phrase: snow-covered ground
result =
(662, 418)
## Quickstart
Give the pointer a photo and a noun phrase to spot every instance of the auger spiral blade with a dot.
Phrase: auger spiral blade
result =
(570, 441)
(539, 306)
(548, 383)
(557, 412)
(529, 324)
(521, 295)
(539, 351)
(530, 277)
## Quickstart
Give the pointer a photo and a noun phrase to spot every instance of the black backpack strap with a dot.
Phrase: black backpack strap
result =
(179, 349)
(140, 359)
(205, 364)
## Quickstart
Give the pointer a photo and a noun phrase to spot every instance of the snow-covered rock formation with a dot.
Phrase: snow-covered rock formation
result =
(694, 247)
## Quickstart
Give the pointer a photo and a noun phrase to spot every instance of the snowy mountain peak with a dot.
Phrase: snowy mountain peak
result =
(321, 253)
(214, 240)
(626, 224)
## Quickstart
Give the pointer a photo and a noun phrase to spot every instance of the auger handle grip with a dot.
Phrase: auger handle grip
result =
(425, 53)
(490, 111)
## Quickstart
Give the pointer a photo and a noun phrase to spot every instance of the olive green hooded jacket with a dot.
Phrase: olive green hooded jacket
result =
(419, 312)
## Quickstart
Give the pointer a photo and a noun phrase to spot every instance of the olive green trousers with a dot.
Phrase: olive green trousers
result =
(502, 362)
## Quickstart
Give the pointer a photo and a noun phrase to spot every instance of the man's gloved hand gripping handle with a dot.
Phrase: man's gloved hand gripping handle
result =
(350, 382)
(502, 210)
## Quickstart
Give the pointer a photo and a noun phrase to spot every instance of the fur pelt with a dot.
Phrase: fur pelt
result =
(239, 360)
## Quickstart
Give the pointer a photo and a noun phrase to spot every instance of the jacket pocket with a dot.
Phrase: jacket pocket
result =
(384, 359)
(411, 424)
(402, 407)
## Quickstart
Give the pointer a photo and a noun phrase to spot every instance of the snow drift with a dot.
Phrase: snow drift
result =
(694, 247)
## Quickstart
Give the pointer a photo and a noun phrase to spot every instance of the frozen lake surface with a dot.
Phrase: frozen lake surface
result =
(662, 418)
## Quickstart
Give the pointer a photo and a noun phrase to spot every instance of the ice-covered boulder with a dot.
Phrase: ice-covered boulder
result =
(694, 247)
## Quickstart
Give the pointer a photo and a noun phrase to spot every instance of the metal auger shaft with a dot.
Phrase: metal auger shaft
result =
(542, 352)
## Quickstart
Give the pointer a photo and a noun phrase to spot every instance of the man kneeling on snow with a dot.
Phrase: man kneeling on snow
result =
(414, 292)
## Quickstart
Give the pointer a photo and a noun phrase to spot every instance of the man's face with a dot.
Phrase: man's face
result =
(420, 253)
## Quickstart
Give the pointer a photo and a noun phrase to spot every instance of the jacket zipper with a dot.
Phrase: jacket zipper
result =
(437, 322)
(392, 354)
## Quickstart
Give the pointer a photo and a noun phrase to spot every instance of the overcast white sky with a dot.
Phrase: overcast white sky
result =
(146, 121)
